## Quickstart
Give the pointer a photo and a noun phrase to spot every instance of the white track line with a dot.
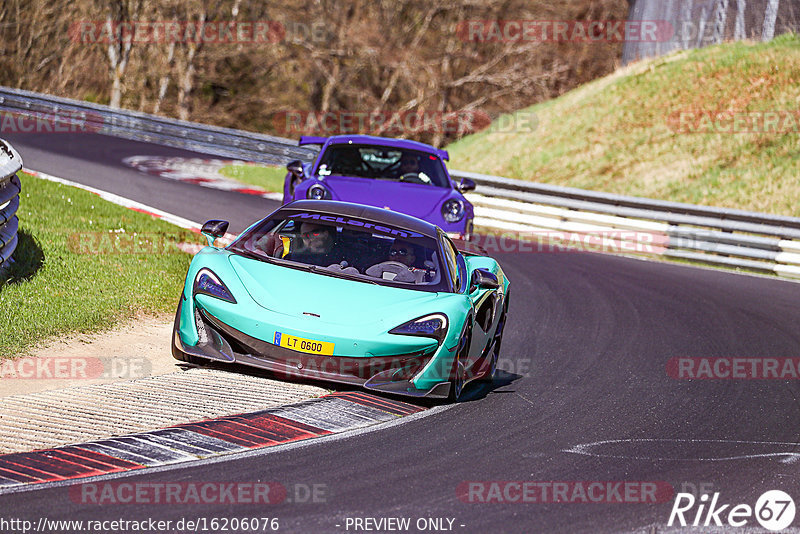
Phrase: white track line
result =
(121, 201)
(133, 205)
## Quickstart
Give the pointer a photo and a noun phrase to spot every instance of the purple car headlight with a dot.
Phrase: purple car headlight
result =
(317, 192)
(434, 325)
(207, 283)
(453, 210)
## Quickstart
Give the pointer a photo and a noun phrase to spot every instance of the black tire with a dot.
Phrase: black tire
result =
(459, 370)
(496, 343)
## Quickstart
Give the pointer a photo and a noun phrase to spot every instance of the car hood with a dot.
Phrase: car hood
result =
(414, 199)
(303, 294)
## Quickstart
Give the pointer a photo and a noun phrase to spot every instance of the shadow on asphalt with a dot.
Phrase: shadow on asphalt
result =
(478, 391)
(474, 391)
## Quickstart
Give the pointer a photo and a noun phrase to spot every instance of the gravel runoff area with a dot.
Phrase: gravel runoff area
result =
(93, 386)
(57, 417)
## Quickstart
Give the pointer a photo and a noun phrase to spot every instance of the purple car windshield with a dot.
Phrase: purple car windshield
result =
(383, 163)
(346, 247)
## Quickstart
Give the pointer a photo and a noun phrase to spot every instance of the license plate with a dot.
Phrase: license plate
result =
(310, 346)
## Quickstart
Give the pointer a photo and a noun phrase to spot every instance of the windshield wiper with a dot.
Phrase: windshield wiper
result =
(250, 254)
(336, 274)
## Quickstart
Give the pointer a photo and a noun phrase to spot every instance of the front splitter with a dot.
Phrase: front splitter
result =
(376, 373)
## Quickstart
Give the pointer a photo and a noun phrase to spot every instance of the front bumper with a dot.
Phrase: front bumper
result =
(385, 374)
(462, 230)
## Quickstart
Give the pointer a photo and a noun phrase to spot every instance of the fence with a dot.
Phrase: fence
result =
(733, 238)
(699, 23)
(10, 163)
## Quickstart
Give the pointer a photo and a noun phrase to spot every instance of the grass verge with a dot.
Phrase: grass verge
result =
(622, 134)
(268, 178)
(84, 264)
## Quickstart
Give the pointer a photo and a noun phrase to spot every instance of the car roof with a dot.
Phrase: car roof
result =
(371, 213)
(378, 141)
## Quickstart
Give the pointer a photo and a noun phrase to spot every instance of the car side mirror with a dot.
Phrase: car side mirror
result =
(484, 279)
(213, 229)
(296, 168)
(466, 185)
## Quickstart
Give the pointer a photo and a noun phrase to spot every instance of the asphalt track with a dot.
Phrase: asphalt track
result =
(584, 360)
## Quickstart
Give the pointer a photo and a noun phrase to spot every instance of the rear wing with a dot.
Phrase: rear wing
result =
(315, 140)
(311, 140)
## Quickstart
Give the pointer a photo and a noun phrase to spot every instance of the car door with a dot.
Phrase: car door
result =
(483, 302)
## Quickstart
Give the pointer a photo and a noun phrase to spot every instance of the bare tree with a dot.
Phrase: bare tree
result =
(119, 13)
(380, 56)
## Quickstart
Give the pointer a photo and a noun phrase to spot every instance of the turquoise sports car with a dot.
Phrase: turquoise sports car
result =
(346, 293)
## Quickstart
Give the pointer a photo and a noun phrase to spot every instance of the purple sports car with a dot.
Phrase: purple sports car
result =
(397, 174)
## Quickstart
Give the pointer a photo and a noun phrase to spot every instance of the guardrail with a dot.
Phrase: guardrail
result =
(719, 236)
(90, 117)
(10, 187)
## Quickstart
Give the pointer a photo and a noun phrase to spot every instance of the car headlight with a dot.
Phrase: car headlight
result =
(207, 283)
(453, 210)
(317, 192)
(434, 325)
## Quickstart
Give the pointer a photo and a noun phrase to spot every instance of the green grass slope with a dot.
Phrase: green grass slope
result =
(635, 132)
(267, 177)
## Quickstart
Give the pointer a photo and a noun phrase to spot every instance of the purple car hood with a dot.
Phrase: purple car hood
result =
(414, 199)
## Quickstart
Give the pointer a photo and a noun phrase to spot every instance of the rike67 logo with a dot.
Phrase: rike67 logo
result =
(774, 510)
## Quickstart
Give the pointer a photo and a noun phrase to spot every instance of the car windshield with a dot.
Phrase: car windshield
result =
(383, 163)
(346, 247)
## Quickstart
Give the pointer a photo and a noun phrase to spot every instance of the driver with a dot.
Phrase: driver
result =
(403, 253)
(410, 169)
(409, 164)
(317, 246)
(408, 254)
(317, 239)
